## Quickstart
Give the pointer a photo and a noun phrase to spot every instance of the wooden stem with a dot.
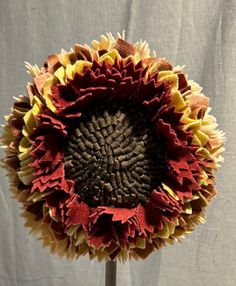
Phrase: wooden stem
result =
(110, 273)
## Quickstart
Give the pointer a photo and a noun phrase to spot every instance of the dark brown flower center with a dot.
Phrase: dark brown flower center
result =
(113, 157)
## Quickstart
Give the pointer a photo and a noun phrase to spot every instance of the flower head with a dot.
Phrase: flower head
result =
(112, 152)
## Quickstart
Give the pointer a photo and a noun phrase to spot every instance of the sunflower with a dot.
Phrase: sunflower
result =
(112, 152)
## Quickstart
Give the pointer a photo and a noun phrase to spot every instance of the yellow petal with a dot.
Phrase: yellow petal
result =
(179, 232)
(140, 243)
(187, 209)
(24, 145)
(177, 100)
(162, 74)
(196, 140)
(164, 233)
(204, 201)
(202, 137)
(26, 132)
(48, 84)
(49, 103)
(193, 198)
(171, 228)
(27, 161)
(110, 56)
(38, 196)
(203, 151)
(72, 229)
(79, 66)
(191, 124)
(25, 178)
(25, 155)
(60, 74)
(38, 103)
(170, 191)
(30, 121)
(81, 238)
(173, 79)
(26, 169)
(64, 59)
(70, 71)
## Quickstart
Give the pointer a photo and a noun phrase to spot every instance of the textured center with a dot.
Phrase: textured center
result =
(113, 158)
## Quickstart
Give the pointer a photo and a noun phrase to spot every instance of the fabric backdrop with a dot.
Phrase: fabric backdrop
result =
(200, 34)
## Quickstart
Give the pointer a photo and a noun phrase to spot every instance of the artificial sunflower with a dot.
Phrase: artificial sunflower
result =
(112, 152)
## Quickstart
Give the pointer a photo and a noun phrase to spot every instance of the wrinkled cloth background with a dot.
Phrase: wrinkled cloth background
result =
(200, 34)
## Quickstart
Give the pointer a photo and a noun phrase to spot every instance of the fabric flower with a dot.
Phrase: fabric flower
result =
(112, 153)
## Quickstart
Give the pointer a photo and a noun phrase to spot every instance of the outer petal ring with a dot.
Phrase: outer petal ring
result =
(62, 91)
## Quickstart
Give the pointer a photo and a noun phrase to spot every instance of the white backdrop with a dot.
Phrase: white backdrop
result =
(200, 34)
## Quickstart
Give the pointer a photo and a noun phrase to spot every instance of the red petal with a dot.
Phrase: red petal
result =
(78, 213)
(143, 220)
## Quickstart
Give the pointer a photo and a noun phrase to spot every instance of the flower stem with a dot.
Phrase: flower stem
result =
(111, 273)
